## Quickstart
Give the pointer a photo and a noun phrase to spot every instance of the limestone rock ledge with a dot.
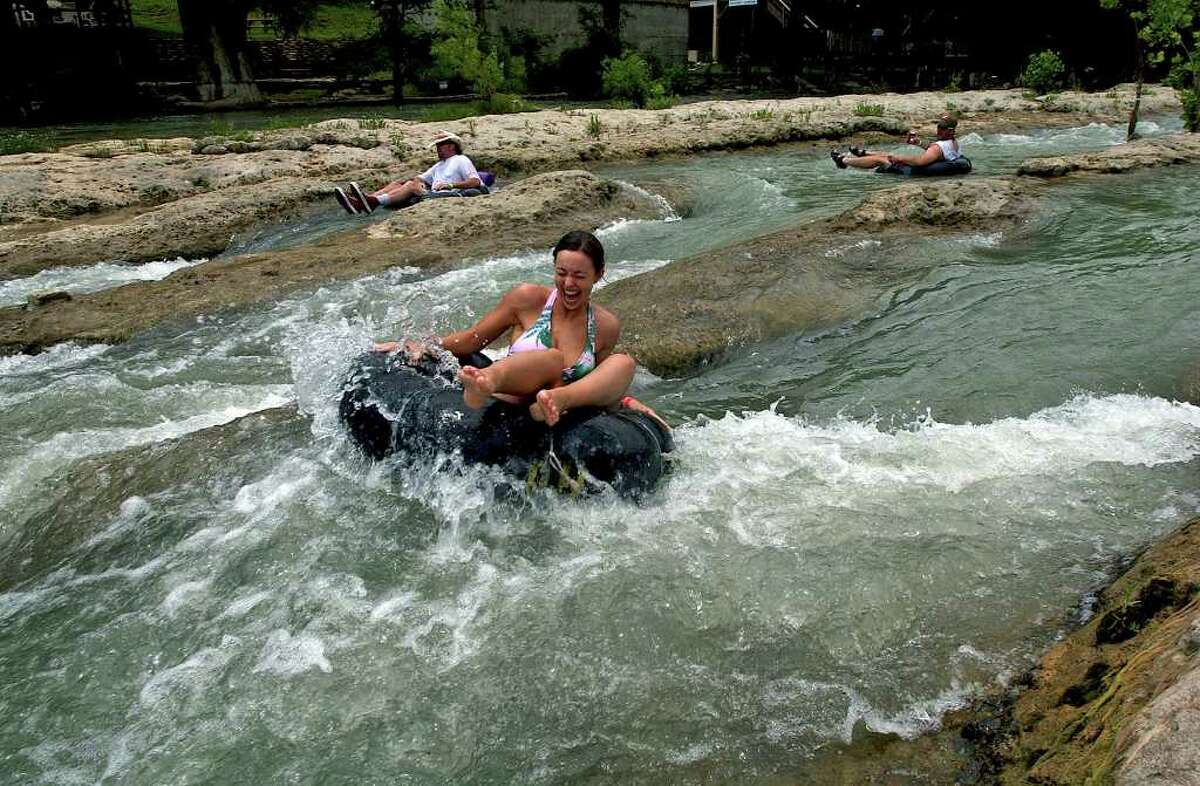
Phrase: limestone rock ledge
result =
(530, 215)
(1119, 699)
(695, 309)
(1138, 154)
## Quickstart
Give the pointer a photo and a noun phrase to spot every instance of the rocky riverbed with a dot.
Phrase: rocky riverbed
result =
(1117, 700)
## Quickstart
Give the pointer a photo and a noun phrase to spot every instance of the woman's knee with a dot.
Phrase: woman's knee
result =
(619, 361)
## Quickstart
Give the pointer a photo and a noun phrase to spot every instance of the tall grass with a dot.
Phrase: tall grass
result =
(25, 141)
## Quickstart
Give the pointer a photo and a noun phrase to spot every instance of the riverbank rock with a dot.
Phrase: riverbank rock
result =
(1119, 699)
(1189, 387)
(552, 199)
(1138, 154)
(696, 309)
(199, 226)
(44, 191)
(529, 215)
(947, 203)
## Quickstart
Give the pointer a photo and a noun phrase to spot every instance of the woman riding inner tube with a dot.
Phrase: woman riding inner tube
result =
(943, 150)
(562, 354)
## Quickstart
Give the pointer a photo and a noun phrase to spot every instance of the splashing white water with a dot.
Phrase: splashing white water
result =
(93, 278)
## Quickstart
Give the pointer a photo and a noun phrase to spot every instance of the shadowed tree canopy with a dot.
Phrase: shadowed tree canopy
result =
(215, 31)
(400, 31)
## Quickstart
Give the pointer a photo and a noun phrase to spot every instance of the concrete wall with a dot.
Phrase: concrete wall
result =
(659, 27)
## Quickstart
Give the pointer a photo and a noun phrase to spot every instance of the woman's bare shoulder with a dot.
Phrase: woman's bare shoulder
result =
(527, 295)
(608, 325)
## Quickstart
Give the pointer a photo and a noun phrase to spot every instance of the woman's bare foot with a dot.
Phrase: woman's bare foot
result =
(631, 403)
(478, 386)
(546, 408)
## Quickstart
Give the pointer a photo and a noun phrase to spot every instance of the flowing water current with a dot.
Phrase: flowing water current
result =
(863, 525)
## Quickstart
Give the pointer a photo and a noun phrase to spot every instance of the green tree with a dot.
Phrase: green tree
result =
(459, 51)
(1162, 28)
(401, 31)
(628, 78)
(215, 32)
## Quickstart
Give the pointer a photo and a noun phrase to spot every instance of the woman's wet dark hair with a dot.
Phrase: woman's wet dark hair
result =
(584, 242)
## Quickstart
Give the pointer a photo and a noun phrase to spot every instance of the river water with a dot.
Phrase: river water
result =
(863, 525)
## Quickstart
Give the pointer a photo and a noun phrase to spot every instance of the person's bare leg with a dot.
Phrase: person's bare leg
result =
(401, 190)
(866, 162)
(603, 387)
(516, 375)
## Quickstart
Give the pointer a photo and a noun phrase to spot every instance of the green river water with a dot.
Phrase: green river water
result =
(862, 525)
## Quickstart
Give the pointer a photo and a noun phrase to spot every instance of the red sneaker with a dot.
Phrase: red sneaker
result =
(369, 202)
(347, 202)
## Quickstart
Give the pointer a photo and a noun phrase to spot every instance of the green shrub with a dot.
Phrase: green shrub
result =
(761, 114)
(869, 110)
(662, 102)
(503, 104)
(594, 127)
(678, 80)
(22, 141)
(628, 78)
(371, 123)
(1191, 109)
(1044, 72)
(443, 112)
(955, 83)
(399, 146)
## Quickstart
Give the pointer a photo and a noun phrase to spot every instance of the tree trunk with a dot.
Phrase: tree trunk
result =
(215, 31)
(610, 22)
(1131, 129)
(392, 14)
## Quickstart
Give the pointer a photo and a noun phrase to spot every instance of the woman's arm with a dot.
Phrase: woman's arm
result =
(470, 182)
(505, 315)
(608, 332)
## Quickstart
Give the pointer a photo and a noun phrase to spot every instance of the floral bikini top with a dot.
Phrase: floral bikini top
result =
(539, 337)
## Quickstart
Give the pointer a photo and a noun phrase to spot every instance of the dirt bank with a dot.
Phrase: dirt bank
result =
(534, 213)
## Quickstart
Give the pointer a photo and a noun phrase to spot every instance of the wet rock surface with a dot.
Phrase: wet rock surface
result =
(696, 309)
(1092, 710)
(509, 221)
(1138, 154)
(82, 184)
(198, 226)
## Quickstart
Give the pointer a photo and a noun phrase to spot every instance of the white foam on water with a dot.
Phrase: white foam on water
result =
(244, 605)
(12, 603)
(191, 677)
(285, 655)
(181, 594)
(93, 278)
(1059, 441)
(447, 630)
(691, 754)
(54, 358)
(856, 246)
(131, 511)
(918, 718)
(666, 210)
(63, 448)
